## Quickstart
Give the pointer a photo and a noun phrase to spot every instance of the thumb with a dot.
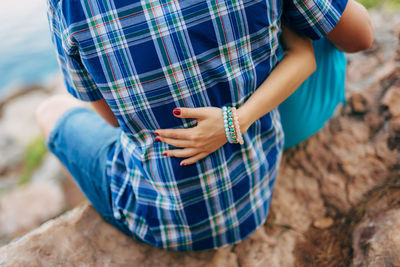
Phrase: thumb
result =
(196, 113)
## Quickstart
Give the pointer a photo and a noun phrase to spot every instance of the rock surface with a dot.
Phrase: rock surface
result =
(81, 237)
(25, 207)
(13, 150)
(19, 115)
(50, 171)
(337, 195)
(376, 241)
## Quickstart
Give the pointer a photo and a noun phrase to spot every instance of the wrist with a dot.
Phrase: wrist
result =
(244, 119)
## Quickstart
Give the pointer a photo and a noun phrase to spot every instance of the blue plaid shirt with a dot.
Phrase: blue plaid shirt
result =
(146, 58)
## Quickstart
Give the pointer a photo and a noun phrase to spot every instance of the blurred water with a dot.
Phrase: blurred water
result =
(26, 51)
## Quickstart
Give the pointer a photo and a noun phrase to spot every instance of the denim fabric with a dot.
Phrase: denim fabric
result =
(82, 140)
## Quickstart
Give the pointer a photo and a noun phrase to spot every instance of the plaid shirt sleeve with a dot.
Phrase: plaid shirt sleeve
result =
(313, 18)
(78, 81)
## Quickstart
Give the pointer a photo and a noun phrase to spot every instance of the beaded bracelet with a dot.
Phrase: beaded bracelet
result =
(231, 123)
(237, 127)
(226, 124)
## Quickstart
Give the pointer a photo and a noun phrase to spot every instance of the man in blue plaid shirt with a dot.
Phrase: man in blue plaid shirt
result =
(136, 62)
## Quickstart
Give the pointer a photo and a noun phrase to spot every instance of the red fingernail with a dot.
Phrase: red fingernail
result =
(165, 153)
(156, 133)
(177, 111)
(183, 164)
(157, 139)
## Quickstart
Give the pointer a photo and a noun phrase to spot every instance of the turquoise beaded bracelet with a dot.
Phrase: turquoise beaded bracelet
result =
(231, 125)
(226, 125)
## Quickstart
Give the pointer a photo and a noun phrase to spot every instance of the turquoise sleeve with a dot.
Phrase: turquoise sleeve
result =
(305, 112)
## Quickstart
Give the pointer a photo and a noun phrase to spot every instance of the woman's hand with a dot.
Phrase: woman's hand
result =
(199, 141)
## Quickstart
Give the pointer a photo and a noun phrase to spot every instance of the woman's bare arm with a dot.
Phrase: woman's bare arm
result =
(296, 66)
(209, 134)
(354, 31)
(105, 112)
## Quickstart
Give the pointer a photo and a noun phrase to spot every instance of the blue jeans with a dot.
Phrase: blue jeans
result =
(82, 141)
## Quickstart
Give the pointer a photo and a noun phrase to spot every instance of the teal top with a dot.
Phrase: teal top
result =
(305, 112)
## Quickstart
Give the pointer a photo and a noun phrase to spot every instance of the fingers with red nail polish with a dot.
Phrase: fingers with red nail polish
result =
(177, 111)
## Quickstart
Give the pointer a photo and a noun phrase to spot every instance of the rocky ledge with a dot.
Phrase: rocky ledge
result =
(336, 199)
